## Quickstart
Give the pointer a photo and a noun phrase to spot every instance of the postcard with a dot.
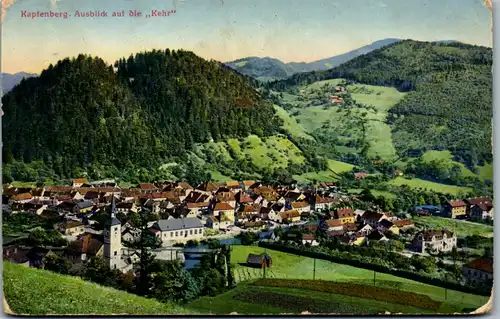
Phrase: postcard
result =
(247, 157)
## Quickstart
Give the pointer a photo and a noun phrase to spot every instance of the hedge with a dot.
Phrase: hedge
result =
(378, 268)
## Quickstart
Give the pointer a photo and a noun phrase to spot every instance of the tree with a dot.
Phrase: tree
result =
(57, 264)
(146, 242)
(173, 283)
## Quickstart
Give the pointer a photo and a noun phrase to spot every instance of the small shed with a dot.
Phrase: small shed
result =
(260, 261)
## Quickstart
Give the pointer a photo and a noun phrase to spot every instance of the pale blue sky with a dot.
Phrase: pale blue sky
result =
(290, 30)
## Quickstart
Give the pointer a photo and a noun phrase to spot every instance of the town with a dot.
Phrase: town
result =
(179, 215)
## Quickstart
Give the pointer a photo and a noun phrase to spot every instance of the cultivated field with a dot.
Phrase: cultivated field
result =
(461, 227)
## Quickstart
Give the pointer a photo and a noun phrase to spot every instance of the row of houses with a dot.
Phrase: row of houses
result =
(475, 209)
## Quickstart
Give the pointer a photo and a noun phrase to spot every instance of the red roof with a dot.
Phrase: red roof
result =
(300, 204)
(334, 223)
(345, 212)
(360, 175)
(147, 186)
(308, 237)
(223, 206)
(457, 203)
(483, 264)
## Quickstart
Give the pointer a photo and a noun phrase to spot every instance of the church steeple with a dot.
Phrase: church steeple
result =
(112, 238)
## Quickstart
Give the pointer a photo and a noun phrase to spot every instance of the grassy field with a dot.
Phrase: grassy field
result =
(461, 227)
(334, 121)
(272, 152)
(486, 171)
(253, 300)
(290, 124)
(432, 186)
(375, 192)
(218, 177)
(38, 292)
(445, 158)
(334, 167)
(289, 266)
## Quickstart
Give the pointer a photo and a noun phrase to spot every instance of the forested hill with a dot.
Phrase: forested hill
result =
(152, 106)
(449, 105)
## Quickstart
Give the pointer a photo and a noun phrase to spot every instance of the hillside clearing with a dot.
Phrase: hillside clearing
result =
(39, 292)
(334, 168)
(432, 186)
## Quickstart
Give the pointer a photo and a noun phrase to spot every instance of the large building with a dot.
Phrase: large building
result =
(172, 231)
(434, 240)
(479, 271)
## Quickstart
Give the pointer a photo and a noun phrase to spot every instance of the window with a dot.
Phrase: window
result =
(196, 231)
(190, 232)
(171, 234)
(180, 233)
(176, 234)
(114, 266)
(116, 253)
(470, 272)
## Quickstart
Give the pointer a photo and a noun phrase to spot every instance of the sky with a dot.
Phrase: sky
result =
(225, 30)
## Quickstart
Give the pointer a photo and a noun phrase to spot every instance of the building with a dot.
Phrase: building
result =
(346, 215)
(260, 261)
(334, 224)
(309, 239)
(290, 216)
(479, 271)
(113, 240)
(471, 202)
(404, 224)
(372, 218)
(455, 208)
(388, 226)
(180, 230)
(79, 182)
(434, 240)
(72, 228)
(481, 212)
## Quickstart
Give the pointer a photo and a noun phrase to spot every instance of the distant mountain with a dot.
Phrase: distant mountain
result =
(11, 80)
(266, 69)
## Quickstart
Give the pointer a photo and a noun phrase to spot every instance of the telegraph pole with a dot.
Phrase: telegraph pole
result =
(374, 277)
(314, 269)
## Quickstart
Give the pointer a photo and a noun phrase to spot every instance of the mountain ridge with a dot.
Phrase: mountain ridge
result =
(268, 68)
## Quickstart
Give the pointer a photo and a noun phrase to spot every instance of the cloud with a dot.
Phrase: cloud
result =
(5, 5)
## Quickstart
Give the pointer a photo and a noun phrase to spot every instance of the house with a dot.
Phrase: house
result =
(72, 228)
(404, 224)
(481, 212)
(242, 198)
(126, 207)
(334, 224)
(212, 222)
(178, 230)
(224, 209)
(376, 236)
(350, 228)
(87, 245)
(309, 239)
(346, 215)
(478, 271)
(301, 206)
(21, 198)
(260, 261)
(434, 240)
(471, 202)
(196, 208)
(455, 208)
(356, 239)
(323, 202)
(83, 207)
(372, 218)
(227, 197)
(365, 229)
(207, 188)
(234, 186)
(290, 216)
(387, 226)
(36, 256)
(275, 216)
(79, 182)
(130, 235)
(16, 255)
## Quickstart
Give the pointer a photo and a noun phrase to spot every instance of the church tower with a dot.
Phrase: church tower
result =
(113, 239)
